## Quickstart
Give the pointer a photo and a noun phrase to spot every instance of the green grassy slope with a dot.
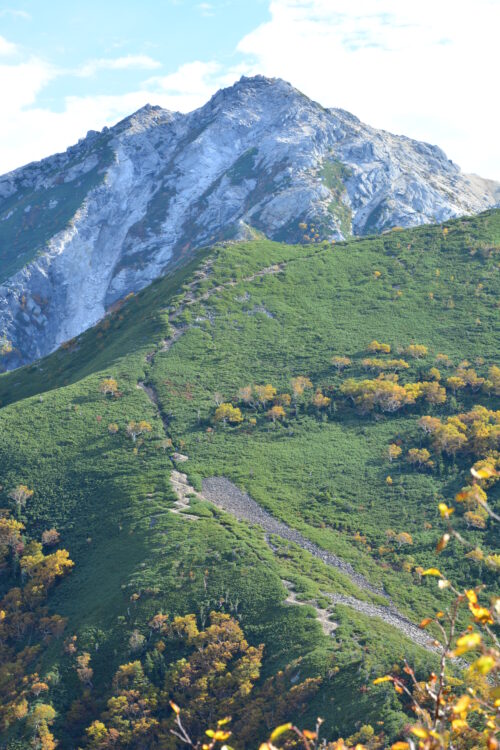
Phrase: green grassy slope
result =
(325, 476)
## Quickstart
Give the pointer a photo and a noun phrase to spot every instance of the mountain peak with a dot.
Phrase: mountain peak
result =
(258, 80)
(147, 116)
(82, 229)
(259, 83)
(251, 88)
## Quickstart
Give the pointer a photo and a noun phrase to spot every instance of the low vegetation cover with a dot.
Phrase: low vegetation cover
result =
(353, 391)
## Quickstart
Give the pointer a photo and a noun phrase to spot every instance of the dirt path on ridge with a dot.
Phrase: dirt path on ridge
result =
(225, 495)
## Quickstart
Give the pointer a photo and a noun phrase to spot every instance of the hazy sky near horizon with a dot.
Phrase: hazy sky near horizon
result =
(425, 68)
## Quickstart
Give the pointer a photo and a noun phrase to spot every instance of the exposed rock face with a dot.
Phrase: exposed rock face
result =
(82, 229)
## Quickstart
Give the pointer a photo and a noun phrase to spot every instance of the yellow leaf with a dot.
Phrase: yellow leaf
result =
(466, 643)
(280, 730)
(458, 724)
(221, 722)
(461, 705)
(419, 732)
(481, 614)
(445, 510)
(220, 735)
(387, 678)
(309, 735)
(425, 622)
(483, 665)
(485, 473)
(400, 746)
(471, 596)
(175, 707)
(435, 734)
(432, 572)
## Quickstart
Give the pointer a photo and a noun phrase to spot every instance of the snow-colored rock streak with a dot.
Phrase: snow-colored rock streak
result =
(159, 184)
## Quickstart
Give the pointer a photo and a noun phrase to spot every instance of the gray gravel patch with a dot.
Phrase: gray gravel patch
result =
(225, 495)
(389, 615)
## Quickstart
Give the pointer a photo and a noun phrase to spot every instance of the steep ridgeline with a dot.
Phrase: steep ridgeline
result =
(82, 229)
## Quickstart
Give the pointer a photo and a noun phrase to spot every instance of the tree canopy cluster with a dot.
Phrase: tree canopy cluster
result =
(383, 393)
(26, 625)
(214, 683)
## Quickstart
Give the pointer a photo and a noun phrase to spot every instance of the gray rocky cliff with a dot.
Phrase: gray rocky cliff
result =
(81, 229)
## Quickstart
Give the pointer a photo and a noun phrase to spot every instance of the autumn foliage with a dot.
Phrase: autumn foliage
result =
(457, 713)
(27, 627)
(217, 678)
(228, 413)
(134, 429)
(109, 387)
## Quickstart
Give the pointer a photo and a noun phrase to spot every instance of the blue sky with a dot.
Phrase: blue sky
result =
(170, 33)
(424, 68)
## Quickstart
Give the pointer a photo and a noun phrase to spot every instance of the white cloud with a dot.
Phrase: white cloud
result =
(6, 47)
(15, 14)
(206, 9)
(30, 132)
(188, 87)
(191, 78)
(426, 69)
(127, 62)
(34, 132)
(20, 84)
(192, 84)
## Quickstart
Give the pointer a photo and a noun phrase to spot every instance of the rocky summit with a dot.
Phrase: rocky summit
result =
(82, 229)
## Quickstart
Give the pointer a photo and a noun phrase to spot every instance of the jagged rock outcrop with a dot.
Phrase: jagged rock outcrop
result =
(81, 229)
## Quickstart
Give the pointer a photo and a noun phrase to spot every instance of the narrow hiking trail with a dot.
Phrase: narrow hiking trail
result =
(190, 298)
(322, 615)
(183, 490)
(226, 496)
